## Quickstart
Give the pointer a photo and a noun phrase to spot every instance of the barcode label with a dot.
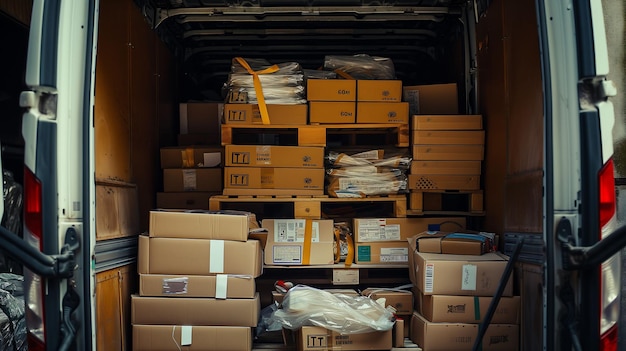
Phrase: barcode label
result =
(429, 277)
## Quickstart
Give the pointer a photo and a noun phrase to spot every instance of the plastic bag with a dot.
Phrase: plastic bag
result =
(260, 64)
(363, 186)
(361, 66)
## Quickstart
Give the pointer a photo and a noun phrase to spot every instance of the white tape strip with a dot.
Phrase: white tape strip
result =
(216, 256)
(221, 286)
(185, 335)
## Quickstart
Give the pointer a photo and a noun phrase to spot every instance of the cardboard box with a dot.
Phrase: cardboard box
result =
(446, 167)
(447, 122)
(444, 182)
(382, 112)
(465, 275)
(195, 311)
(191, 157)
(331, 90)
(274, 178)
(455, 137)
(460, 337)
(393, 252)
(221, 286)
(436, 99)
(398, 333)
(379, 90)
(274, 156)
(309, 338)
(469, 309)
(402, 301)
(332, 112)
(279, 114)
(191, 338)
(198, 256)
(448, 152)
(454, 243)
(189, 200)
(192, 179)
(200, 117)
(400, 229)
(198, 225)
(287, 242)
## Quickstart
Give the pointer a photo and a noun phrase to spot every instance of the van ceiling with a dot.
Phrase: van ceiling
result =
(423, 37)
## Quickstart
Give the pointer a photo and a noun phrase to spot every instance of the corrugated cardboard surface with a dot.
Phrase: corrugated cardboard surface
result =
(379, 90)
(442, 245)
(117, 211)
(436, 99)
(186, 200)
(402, 301)
(332, 112)
(310, 338)
(294, 252)
(273, 178)
(468, 309)
(192, 179)
(447, 122)
(228, 286)
(382, 112)
(200, 117)
(191, 338)
(460, 137)
(398, 229)
(331, 90)
(448, 152)
(393, 252)
(446, 167)
(195, 311)
(278, 114)
(274, 156)
(194, 225)
(198, 256)
(191, 156)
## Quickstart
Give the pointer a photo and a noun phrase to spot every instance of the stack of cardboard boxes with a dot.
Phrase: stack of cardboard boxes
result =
(197, 286)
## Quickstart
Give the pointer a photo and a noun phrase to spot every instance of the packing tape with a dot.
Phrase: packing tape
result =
(189, 179)
(265, 117)
(221, 286)
(216, 256)
(306, 247)
(185, 335)
(188, 159)
(476, 308)
(343, 74)
(350, 256)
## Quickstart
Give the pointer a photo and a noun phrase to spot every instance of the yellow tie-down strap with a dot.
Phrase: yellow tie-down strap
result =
(350, 256)
(258, 89)
(188, 159)
(306, 247)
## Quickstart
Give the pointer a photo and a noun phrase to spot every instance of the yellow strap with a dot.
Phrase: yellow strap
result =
(337, 244)
(188, 159)
(343, 74)
(306, 248)
(350, 257)
(265, 117)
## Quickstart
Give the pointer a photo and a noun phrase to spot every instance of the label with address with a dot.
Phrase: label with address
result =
(468, 279)
(377, 230)
(429, 278)
(292, 231)
(287, 254)
(171, 286)
(394, 254)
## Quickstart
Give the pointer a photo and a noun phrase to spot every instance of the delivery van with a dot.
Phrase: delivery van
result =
(105, 80)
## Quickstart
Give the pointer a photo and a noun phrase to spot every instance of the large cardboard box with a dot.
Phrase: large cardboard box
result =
(191, 338)
(274, 156)
(447, 122)
(309, 338)
(456, 243)
(331, 90)
(332, 112)
(192, 179)
(469, 309)
(448, 152)
(198, 256)
(198, 225)
(446, 167)
(400, 229)
(195, 311)
(443, 182)
(278, 114)
(191, 157)
(219, 286)
(289, 241)
(274, 178)
(379, 90)
(402, 301)
(436, 99)
(382, 112)
(186, 200)
(200, 117)
(392, 252)
(460, 336)
(455, 137)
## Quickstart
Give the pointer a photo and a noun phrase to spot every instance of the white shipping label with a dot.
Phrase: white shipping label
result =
(189, 179)
(216, 256)
(264, 155)
(468, 277)
(221, 286)
(185, 335)
(287, 254)
(429, 277)
(378, 230)
(211, 159)
(292, 231)
(172, 286)
(394, 254)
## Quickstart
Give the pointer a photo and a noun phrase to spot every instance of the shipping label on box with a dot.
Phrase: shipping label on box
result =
(274, 156)
(296, 114)
(379, 90)
(332, 112)
(331, 90)
(447, 122)
(382, 112)
(435, 99)
(469, 309)
(299, 242)
(274, 178)
(393, 252)
(400, 229)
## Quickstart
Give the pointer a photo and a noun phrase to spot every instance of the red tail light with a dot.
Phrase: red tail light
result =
(32, 205)
(608, 340)
(606, 180)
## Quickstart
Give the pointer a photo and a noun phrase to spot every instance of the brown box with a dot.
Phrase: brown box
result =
(466, 275)
(274, 156)
(278, 114)
(398, 333)
(198, 256)
(402, 301)
(309, 338)
(191, 338)
(379, 90)
(274, 178)
(400, 229)
(195, 311)
(332, 112)
(192, 179)
(193, 139)
(455, 137)
(393, 252)
(331, 90)
(446, 167)
(287, 243)
(442, 242)
(191, 157)
(198, 225)
(200, 117)
(469, 309)
(448, 152)
(436, 99)
(382, 112)
(460, 336)
(447, 122)
(186, 200)
(444, 182)
(220, 286)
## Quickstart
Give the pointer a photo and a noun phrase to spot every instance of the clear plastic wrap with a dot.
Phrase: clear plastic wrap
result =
(319, 74)
(286, 95)
(13, 202)
(267, 80)
(12, 322)
(361, 66)
(337, 159)
(257, 64)
(363, 186)
(304, 305)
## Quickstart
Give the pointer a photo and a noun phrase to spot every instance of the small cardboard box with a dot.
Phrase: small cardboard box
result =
(274, 156)
(400, 229)
(192, 179)
(469, 309)
(189, 200)
(309, 338)
(447, 122)
(191, 157)
(402, 301)
(331, 90)
(219, 286)
(198, 256)
(278, 114)
(379, 90)
(446, 167)
(200, 117)
(444, 182)
(198, 225)
(382, 112)
(192, 139)
(448, 152)
(274, 178)
(393, 252)
(332, 112)
(191, 338)
(287, 242)
(195, 311)
(435, 99)
(453, 243)
(454, 137)
(460, 336)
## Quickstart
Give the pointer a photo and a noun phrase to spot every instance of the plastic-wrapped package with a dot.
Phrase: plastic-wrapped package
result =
(256, 64)
(304, 305)
(12, 322)
(366, 171)
(361, 66)
(319, 74)
(267, 80)
(336, 159)
(363, 186)
(286, 95)
(13, 203)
